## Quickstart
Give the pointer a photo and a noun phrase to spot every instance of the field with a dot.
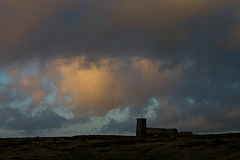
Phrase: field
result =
(197, 147)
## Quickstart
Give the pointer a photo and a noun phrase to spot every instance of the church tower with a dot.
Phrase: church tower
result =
(141, 127)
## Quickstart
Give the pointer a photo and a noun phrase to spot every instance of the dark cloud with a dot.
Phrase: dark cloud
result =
(15, 119)
(160, 29)
(116, 127)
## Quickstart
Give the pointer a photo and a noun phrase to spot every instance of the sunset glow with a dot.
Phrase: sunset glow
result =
(92, 67)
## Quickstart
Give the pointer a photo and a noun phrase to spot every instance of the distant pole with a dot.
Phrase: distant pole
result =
(141, 127)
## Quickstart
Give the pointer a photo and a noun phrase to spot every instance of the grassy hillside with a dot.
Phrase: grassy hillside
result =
(222, 146)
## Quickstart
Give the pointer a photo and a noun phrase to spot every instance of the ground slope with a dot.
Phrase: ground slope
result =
(222, 146)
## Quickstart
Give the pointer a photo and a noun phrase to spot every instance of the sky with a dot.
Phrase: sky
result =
(72, 67)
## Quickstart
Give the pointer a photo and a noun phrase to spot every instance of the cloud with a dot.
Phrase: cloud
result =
(160, 29)
(15, 119)
(111, 83)
(188, 98)
(21, 19)
(91, 57)
(115, 127)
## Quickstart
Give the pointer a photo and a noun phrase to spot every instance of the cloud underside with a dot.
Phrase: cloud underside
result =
(75, 60)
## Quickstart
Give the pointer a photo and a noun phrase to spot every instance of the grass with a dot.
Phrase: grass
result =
(197, 147)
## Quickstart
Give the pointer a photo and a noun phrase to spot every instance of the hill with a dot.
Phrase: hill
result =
(207, 147)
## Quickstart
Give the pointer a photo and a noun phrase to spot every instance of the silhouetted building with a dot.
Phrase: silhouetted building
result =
(155, 131)
(171, 132)
(142, 130)
(141, 127)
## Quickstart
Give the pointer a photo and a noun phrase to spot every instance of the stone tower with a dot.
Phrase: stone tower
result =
(141, 127)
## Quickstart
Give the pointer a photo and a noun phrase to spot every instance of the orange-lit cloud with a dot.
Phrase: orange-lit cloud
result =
(98, 88)
(32, 85)
(94, 88)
